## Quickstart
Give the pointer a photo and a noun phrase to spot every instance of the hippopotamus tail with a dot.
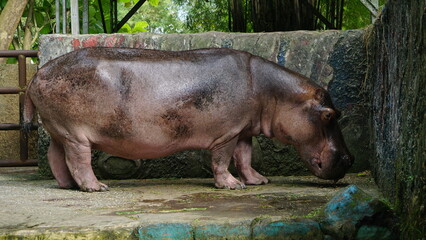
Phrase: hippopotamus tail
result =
(28, 112)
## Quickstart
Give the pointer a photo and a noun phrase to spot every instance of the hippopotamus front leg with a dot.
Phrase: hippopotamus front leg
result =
(242, 160)
(221, 158)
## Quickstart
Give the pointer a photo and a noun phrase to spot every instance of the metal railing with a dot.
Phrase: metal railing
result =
(21, 55)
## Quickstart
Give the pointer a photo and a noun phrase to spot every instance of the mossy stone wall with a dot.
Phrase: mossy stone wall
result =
(397, 78)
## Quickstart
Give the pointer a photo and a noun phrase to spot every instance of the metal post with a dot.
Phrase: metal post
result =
(102, 16)
(75, 22)
(375, 4)
(64, 16)
(58, 16)
(23, 139)
(111, 16)
(372, 6)
(85, 17)
(115, 13)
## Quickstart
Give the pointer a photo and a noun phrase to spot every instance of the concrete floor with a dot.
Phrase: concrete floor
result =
(36, 208)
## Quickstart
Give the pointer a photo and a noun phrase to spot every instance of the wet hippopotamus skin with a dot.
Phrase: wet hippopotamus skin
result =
(137, 103)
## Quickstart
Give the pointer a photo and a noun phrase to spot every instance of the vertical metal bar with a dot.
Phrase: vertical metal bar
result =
(64, 16)
(22, 71)
(58, 16)
(115, 13)
(75, 21)
(102, 16)
(111, 16)
(342, 8)
(375, 4)
(85, 17)
(23, 138)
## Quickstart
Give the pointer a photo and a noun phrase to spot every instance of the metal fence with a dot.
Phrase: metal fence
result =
(21, 56)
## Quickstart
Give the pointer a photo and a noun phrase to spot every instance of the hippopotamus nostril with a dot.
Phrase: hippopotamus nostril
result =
(348, 160)
(317, 162)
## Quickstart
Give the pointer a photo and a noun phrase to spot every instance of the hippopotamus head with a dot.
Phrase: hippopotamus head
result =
(309, 122)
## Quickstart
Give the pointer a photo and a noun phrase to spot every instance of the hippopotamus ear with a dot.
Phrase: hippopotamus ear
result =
(319, 94)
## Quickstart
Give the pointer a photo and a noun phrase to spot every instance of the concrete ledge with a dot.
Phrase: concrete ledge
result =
(288, 208)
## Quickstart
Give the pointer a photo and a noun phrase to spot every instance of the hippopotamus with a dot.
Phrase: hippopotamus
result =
(139, 103)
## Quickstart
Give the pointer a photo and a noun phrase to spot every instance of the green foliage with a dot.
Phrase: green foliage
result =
(138, 27)
(2, 4)
(154, 2)
(356, 15)
(203, 16)
(161, 18)
(43, 21)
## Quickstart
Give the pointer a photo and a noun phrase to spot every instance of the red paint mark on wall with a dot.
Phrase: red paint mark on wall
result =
(75, 44)
(91, 42)
(110, 41)
(114, 41)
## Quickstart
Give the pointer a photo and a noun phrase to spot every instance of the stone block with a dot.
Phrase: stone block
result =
(292, 230)
(353, 214)
(175, 231)
(222, 231)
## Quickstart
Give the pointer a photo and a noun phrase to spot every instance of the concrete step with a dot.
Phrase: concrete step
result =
(35, 208)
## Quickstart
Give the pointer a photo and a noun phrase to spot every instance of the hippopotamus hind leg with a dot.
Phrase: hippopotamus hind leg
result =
(56, 158)
(221, 158)
(78, 159)
(242, 161)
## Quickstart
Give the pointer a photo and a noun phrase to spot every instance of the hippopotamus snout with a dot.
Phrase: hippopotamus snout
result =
(333, 168)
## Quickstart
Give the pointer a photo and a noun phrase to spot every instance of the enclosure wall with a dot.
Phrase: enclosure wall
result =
(397, 73)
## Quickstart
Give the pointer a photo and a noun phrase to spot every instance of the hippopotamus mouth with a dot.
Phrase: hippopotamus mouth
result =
(332, 168)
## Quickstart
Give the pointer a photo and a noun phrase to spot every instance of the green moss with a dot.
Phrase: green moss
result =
(160, 211)
(316, 213)
(60, 234)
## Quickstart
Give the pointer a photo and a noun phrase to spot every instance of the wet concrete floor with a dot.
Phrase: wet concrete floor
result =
(31, 205)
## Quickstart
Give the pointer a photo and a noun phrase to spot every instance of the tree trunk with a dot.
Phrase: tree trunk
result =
(9, 20)
(237, 16)
(28, 36)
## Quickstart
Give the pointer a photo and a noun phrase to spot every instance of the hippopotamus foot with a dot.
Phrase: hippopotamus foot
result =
(242, 161)
(78, 160)
(94, 187)
(227, 181)
(221, 158)
(252, 177)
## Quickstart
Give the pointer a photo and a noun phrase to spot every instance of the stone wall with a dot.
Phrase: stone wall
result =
(334, 59)
(9, 113)
(397, 77)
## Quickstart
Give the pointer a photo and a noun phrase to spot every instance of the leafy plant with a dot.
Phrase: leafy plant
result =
(138, 27)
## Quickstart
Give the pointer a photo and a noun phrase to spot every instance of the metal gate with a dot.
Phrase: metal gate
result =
(23, 160)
